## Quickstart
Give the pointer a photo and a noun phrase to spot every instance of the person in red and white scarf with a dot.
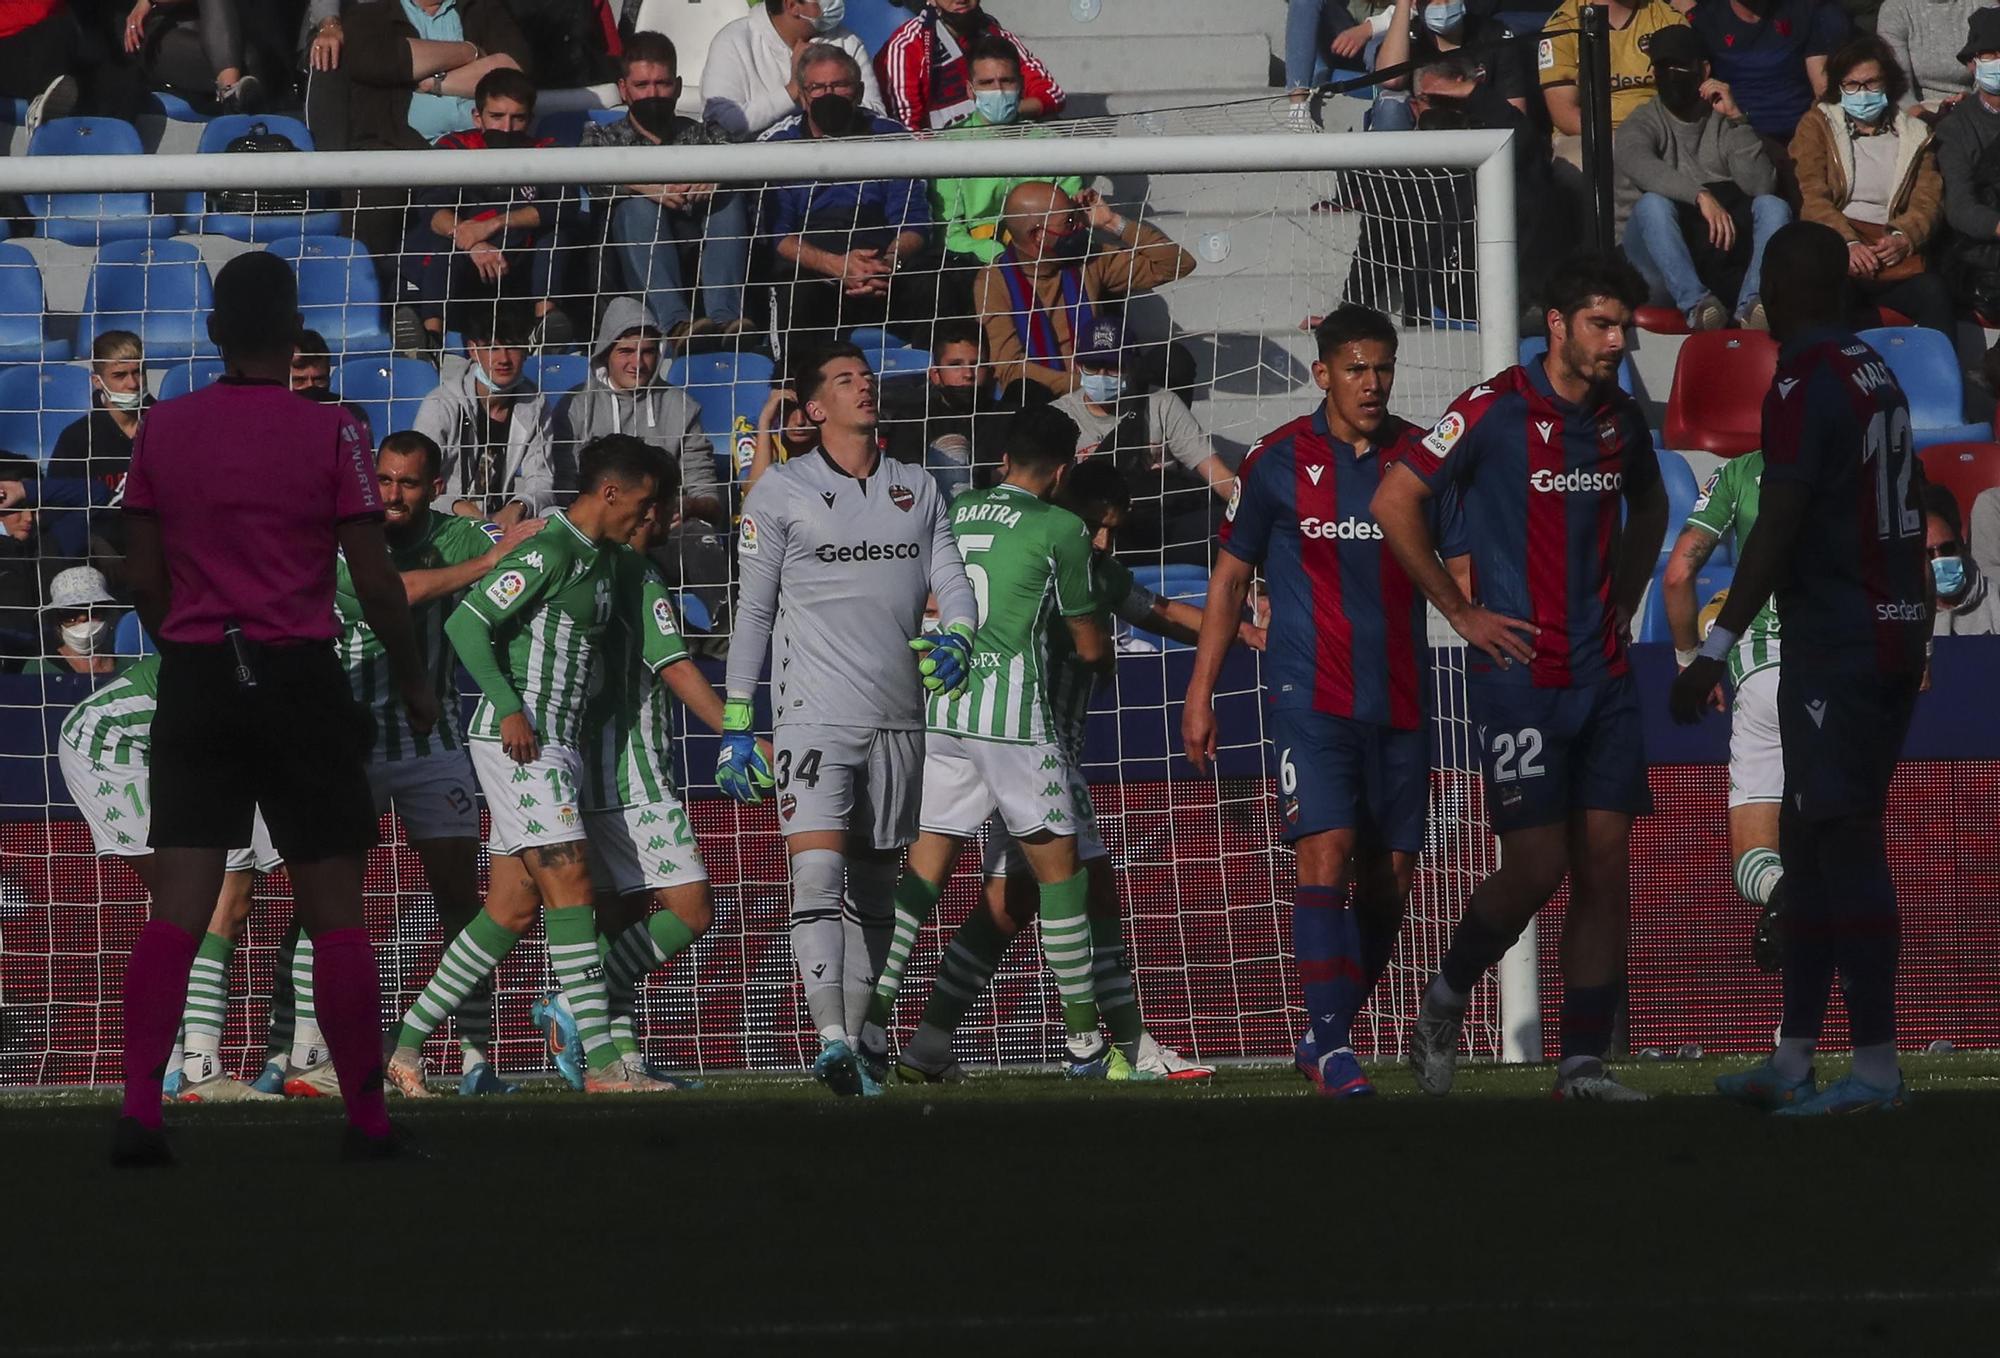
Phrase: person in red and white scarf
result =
(925, 74)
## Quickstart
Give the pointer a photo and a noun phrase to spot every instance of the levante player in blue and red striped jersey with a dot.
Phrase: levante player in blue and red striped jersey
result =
(1544, 457)
(1345, 679)
(1840, 537)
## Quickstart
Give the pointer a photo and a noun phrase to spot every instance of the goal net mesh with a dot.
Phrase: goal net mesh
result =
(1206, 891)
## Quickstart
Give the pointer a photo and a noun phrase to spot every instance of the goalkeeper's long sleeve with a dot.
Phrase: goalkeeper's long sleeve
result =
(472, 637)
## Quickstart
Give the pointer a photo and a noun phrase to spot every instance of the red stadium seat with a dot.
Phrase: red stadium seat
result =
(1964, 469)
(1661, 320)
(1887, 315)
(1717, 404)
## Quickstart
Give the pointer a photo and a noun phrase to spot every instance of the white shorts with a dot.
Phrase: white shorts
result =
(642, 848)
(531, 805)
(433, 794)
(1004, 857)
(860, 780)
(117, 805)
(1756, 755)
(967, 781)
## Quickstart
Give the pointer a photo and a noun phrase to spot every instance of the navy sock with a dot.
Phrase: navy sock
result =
(1328, 946)
(1808, 933)
(1866, 938)
(1475, 947)
(1588, 1012)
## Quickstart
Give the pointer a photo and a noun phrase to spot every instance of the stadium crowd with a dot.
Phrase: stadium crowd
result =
(1733, 119)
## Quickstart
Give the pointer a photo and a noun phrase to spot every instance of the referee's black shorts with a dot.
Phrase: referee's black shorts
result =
(295, 746)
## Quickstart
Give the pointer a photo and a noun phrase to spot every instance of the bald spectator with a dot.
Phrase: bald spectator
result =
(1063, 259)
(926, 68)
(748, 84)
(840, 245)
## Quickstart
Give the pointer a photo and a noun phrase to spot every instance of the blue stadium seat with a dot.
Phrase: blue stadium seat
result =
(38, 402)
(264, 227)
(192, 375)
(557, 374)
(339, 294)
(730, 389)
(718, 370)
(564, 128)
(695, 616)
(1926, 366)
(157, 289)
(130, 637)
(1187, 583)
(903, 360)
(92, 218)
(872, 337)
(874, 21)
(1653, 616)
(174, 108)
(1682, 489)
(389, 389)
(23, 311)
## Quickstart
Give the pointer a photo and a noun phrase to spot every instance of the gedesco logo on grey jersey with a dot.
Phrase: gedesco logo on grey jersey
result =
(1576, 482)
(1345, 530)
(867, 551)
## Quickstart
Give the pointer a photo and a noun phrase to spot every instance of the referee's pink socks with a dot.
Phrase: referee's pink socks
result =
(156, 982)
(349, 999)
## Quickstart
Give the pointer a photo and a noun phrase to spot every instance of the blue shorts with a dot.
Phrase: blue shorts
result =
(1548, 752)
(1338, 774)
(1842, 734)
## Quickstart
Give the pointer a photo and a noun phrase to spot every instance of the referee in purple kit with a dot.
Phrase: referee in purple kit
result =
(238, 498)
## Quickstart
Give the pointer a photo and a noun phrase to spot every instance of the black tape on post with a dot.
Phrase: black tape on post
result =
(1593, 81)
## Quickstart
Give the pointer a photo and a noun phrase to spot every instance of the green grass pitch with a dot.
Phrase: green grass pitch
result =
(1019, 1215)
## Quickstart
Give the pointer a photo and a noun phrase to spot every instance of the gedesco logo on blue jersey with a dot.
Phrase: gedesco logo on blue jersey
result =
(1576, 482)
(1346, 530)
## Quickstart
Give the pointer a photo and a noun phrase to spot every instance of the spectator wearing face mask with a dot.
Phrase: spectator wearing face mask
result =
(1772, 55)
(493, 427)
(749, 82)
(1924, 35)
(1970, 168)
(498, 239)
(1113, 413)
(79, 617)
(942, 422)
(1423, 30)
(1063, 257)
(926, 71)
(841, 246)
(85, 477)
(1698, 191)
(970, 208)
(1866, 168)
(1967, 604)
(647, 225)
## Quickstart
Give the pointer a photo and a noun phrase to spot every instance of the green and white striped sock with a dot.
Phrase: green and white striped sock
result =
(572, 935)
(475, 1025)
(1111, 979)
(637, 953)
(308, 1046)
(1758, 873)
(207, 1009)
(915, 899)
(965, 970)
(469, 959)
(1066, 948)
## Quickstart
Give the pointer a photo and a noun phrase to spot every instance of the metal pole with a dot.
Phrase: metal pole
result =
(1594, 98)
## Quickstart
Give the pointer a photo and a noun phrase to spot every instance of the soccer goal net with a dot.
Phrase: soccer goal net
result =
(1213, 250)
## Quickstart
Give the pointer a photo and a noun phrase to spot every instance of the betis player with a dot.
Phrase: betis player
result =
(1756, 759)
(527, 634)
(426, 778)
(104, 752)
(642, 849)
(1094, 491)
(1346, 688)
(839, 551)
(994, 750)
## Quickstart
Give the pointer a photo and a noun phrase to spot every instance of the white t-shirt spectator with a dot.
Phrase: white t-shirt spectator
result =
(1170, 425)
(745, 85)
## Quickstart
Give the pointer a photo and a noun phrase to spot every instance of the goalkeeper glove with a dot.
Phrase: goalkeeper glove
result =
(947, 658)
(740, 767)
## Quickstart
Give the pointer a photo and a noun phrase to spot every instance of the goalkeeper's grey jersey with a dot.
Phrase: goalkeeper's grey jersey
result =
(835, 574)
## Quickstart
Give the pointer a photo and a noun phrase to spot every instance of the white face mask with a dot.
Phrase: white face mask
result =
(1986, 74)
(121, 400)
(831, 12)
(85, 637)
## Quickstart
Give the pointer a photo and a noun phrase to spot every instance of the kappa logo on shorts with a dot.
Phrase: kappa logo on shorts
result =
(507, 588)
(902, 497)
(649, 818)
(787, 804)
(1053, 790)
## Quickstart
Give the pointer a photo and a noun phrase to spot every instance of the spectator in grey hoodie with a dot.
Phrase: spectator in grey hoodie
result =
(1677, 159)
(500, 458)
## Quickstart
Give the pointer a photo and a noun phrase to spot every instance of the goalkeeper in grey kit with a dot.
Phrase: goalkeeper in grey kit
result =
(839, 552)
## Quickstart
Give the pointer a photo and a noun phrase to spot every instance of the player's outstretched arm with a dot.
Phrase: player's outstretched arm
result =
(1781, 513)
(1228, 588)
(1691, 552)
(1399, 508)
(1182, 622)
(420, 587)
(379, 591)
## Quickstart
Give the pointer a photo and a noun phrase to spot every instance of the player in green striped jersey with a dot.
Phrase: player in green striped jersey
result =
(992, 749)
(1095, 491)
(104, 751)
(1728, 504)
(642, 847)
(527, 634)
